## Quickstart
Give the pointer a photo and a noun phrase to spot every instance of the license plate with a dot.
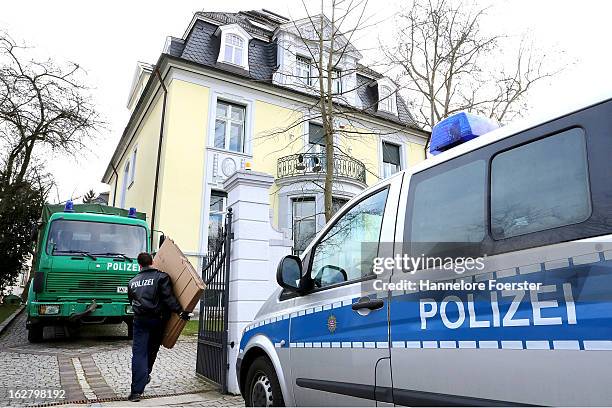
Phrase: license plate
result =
(122, 289)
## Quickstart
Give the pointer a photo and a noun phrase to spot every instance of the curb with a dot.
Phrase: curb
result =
(7, 322)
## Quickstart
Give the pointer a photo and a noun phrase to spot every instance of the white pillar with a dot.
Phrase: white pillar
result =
(255, 251)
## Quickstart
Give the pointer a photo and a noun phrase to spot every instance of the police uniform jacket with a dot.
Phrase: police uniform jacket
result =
(150, 293)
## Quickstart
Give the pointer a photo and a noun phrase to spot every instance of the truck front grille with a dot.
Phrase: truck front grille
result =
(76, 283)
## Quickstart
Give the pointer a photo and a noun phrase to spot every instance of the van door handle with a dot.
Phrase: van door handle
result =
(367, 303)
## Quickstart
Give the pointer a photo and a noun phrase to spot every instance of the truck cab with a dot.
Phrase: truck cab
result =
(85, 257)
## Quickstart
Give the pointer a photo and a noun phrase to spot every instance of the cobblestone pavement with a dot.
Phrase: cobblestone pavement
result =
(95, 363)
(202, 399)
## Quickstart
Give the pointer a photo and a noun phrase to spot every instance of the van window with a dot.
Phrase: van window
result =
(340, 255)
(540, 185)
(449, 207)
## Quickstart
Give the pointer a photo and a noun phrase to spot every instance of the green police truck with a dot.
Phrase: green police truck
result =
(85, 256)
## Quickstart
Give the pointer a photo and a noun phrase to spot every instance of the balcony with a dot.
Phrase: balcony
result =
(313, 164)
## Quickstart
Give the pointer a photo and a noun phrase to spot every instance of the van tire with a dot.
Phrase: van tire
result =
(35, 333)
(262, 386)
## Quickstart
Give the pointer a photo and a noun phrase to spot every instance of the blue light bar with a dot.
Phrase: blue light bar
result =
(458, 129)
(132, 212)
(69, 207)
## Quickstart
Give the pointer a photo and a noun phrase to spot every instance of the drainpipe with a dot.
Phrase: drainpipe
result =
(116, 182)
(159, 151)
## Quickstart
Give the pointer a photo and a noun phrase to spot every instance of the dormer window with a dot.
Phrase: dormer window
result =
(337, 81)
(303, 70)
(385, 99)
(234, 47)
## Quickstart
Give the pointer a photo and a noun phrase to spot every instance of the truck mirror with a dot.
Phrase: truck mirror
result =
(34, 231)
(162, 238)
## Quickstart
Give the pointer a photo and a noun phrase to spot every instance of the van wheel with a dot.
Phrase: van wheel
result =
(35, 333)
(263, 389)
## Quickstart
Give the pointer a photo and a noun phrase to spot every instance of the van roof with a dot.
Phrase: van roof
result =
(499, 134)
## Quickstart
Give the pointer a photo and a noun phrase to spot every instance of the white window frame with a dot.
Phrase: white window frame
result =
(337, 81)
(228, 122)
(387, 103)
(236, 49)
(306, 135)
(233, 96)
(234, 30)
(292, 219)
(223, 212)
(402, 153)
(384, 99)
(300, 63)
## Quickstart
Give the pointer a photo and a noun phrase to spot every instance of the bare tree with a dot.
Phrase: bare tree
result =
(44, 109)
(326, 38)
(42, 105)
(89, 196)
(449, 64)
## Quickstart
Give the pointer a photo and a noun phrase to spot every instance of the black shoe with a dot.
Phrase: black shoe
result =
(149, 379)
(134, 397)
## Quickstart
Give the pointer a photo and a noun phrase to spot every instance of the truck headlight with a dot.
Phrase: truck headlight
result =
(129, 310)
(49, 309)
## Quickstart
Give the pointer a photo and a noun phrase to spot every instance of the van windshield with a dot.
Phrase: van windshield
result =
(95, 238)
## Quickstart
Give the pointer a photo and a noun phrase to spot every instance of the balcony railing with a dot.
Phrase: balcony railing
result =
(315, 163)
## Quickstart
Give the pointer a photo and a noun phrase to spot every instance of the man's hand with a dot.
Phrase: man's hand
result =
(185, 316)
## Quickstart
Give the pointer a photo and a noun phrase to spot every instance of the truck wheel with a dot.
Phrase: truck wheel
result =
(130, 326)
(74, 331)
(35, 333)
(262, 387)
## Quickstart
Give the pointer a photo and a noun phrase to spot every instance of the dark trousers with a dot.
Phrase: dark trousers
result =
(148, 334)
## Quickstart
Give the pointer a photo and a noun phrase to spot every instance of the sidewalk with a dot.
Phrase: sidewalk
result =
(203, 399)
(96, 367)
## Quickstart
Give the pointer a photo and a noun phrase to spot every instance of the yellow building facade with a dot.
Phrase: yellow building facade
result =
(193, 125)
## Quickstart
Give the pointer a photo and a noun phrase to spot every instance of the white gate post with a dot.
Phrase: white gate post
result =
(255, 252)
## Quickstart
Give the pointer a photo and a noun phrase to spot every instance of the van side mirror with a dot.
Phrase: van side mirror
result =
(162, 238)
(289, 273)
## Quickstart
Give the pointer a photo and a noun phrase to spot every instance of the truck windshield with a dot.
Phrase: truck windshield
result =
(96, 238)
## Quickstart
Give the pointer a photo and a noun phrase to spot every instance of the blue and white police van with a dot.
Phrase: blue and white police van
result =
(531, 325)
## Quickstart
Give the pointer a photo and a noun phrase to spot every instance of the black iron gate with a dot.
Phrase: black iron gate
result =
(213, 330)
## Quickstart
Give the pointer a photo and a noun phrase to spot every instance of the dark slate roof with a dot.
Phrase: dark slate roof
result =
(201, 46)
(242, 19)
(176, 47)
(368, 94)
(368, 71)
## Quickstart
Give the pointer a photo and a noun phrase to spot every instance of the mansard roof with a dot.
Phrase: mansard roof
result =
(202, 46)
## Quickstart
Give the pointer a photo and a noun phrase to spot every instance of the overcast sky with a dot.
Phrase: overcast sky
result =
(109, 37)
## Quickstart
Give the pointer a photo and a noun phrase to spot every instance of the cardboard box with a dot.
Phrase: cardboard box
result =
(174, 327)
(186, 282)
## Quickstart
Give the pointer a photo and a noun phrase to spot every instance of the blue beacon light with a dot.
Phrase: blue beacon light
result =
(69, 207)
(132, 212)
(458, 129)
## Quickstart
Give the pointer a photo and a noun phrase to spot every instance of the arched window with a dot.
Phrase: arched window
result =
(234, 48)
(385, 100)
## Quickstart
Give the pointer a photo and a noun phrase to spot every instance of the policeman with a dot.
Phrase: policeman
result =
(150, 293)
